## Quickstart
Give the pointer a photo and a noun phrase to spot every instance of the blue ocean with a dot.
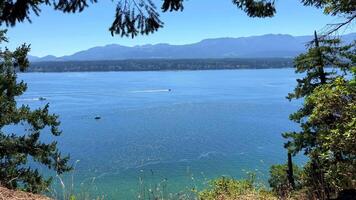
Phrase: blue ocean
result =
(179, 129)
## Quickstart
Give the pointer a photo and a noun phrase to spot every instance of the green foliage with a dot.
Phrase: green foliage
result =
(16, 150)
(353, 81)
(327, 117)
(330, 53)
(160, 189)
(72, 197)
(226, 186)
(334, 116)
(278, 180)
(229, 188)
(321, 54)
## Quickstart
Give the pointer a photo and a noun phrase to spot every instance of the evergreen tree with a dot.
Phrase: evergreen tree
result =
(327, 114)
(16, 150)
(321, 54)
(135, 17)
(334, 116)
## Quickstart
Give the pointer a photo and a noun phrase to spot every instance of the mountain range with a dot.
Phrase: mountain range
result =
(264, 46)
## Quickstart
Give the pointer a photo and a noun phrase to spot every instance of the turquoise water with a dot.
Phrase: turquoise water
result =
(180, 127)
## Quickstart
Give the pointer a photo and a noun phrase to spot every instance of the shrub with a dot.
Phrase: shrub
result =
(229, 188)
(278, 180)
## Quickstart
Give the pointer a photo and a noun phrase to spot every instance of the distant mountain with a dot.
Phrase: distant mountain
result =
(264, 46)
(33, 58)
(45, 58)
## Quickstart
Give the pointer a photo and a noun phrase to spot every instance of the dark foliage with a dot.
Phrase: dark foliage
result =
(333, 7)
(256, 8)
(134, 17)
(279, 182)
(321, 54)
(172, 5)
(16, 150)
(72, 6)
(161, 64)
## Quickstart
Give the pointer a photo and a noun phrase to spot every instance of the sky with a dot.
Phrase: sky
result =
(56, 33)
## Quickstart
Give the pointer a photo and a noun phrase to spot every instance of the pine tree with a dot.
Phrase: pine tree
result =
(325, 112)
(16, 150)
(323, 62)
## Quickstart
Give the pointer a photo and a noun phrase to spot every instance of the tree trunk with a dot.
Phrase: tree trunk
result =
(290, 171)
(320, 63)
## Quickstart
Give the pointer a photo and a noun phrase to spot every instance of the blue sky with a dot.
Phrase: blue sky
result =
(61, 34)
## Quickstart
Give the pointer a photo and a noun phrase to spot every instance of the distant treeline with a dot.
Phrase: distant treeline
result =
(160, 64)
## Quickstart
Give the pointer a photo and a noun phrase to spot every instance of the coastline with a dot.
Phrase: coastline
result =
(160, 65)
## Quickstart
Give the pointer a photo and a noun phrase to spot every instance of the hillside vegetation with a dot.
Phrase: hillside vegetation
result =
(161, 65)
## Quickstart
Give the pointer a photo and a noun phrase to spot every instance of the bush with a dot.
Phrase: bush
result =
(278, 180)
(229, 188)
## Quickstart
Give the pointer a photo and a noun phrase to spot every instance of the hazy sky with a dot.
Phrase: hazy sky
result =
(61, 34)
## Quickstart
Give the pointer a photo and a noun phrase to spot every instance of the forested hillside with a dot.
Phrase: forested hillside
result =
(161, 64)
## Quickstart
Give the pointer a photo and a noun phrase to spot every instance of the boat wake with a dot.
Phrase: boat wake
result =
(151, 91)
(210, 154)
(33, 99)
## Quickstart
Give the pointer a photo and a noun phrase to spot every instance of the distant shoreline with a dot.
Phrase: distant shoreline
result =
(173, 70)
(161, 65)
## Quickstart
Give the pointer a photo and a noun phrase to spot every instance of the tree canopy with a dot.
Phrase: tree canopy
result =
(327, 117)
(134, 17)
(17, 150)
(321, 54)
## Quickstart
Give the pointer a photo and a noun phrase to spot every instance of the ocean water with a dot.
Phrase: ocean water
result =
(177, 127)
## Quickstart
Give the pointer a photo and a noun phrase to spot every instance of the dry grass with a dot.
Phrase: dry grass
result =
(6, 194)
(256, 196)
(251, 196)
